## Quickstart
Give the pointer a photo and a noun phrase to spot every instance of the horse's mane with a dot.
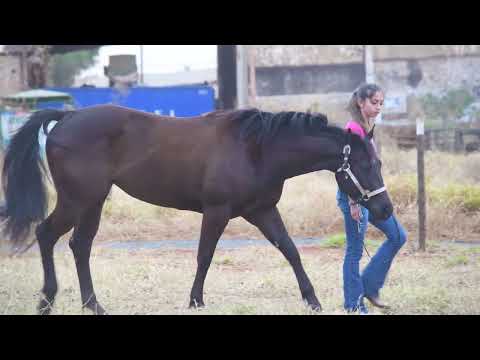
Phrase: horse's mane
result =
(262, 125)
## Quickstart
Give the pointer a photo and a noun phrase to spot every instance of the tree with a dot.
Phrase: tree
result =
(64, 67)
(448, 107)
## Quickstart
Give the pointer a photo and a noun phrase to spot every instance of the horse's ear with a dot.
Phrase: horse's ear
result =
(370, 134)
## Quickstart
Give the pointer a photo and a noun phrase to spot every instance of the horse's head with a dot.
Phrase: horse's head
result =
(360, 176)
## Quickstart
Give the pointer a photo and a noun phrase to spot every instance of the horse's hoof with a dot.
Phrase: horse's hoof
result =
(44, 310)
(44, 307)
(196, 304)
(314, 304)
(97, 309)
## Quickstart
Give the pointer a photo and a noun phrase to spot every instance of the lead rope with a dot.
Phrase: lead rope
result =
(360, 231)
(367, 251)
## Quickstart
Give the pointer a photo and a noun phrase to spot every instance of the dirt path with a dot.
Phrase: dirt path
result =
(223, 244)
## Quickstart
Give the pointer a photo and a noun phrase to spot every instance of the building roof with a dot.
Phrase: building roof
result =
(38, 95)
(192, 77)
(181, 78)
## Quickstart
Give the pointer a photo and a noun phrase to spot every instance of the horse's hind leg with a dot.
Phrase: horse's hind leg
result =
(48, 232)
(81, 245)
(215, 219)
(270, 223)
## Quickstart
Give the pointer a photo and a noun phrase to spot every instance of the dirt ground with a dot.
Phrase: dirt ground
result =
(250, 280)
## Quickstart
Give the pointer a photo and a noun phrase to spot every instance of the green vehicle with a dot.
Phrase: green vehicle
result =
(17, 108)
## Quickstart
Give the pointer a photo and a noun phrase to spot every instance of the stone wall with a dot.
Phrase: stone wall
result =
(397, 69)
(439, 73)
(300, 55)
(405, 52)
(333, 105)
(10, 79)
(308, 79)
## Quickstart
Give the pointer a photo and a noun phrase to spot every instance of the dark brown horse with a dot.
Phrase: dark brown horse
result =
(224, 164)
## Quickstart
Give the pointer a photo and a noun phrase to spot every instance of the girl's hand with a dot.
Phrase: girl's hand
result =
(356, 212)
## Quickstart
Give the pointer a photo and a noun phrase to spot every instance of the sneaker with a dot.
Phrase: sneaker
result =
(361, 310)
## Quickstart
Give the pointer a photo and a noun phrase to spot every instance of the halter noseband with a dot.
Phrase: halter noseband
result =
(366, 195)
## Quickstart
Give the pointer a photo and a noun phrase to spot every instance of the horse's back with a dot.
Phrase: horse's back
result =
(167, 161)
(114, 123)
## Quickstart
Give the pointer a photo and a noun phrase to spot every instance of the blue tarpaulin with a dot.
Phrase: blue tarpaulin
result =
(181, 101)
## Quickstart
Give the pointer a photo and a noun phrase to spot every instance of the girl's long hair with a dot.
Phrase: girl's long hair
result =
(361, 94)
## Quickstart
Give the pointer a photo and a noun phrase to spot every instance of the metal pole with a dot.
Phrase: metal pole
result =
(371, 79)
(252, 75)
(227, 76)
(141, 65)
(369, 64)
(242, 77)
(23, 70)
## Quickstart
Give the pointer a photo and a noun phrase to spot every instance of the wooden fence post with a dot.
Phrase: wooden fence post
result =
(421, 184)
(415, 115)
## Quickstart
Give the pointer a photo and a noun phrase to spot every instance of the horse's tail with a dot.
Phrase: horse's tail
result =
(23, 184)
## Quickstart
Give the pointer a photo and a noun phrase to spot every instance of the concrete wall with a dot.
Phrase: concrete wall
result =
(333, 105)
(438, 74)
(10, 78)
(308, 79)
(397, 67)
(299, 55)
(328, 72)
(392, 52)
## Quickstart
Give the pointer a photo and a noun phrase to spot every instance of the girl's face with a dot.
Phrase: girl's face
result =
(372, 106)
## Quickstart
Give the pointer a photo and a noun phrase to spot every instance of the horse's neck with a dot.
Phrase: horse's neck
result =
(293, 156)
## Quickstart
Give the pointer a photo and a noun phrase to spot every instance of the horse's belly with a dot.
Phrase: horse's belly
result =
(161, 194)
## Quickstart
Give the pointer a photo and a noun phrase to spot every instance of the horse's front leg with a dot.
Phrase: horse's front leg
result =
(215, 219)
(270, 223)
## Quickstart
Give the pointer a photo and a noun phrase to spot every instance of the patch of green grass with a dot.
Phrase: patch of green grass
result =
(403, 190)
(268, 283)
(335, 241)
(457, 260)
(244, 310)
(433, 302)
(338, 241)
(473, 250)
(225, 261)
(465, 196)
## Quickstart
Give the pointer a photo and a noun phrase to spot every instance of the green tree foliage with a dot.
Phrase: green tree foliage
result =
(448, 107)
(65, 67)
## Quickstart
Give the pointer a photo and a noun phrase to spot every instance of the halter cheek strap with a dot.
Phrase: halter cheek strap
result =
(366, 194)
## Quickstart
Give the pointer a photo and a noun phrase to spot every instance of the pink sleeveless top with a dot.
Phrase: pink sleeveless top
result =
(357, 129)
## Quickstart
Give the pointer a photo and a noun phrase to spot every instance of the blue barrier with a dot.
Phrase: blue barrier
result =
(181, 101)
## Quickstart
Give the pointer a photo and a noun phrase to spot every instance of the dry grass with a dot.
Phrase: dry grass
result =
(308, 205)
(444, 280)
(441, 281)
(309, 208)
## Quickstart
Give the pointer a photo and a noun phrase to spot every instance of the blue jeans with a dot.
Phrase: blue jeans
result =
(356, 286)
